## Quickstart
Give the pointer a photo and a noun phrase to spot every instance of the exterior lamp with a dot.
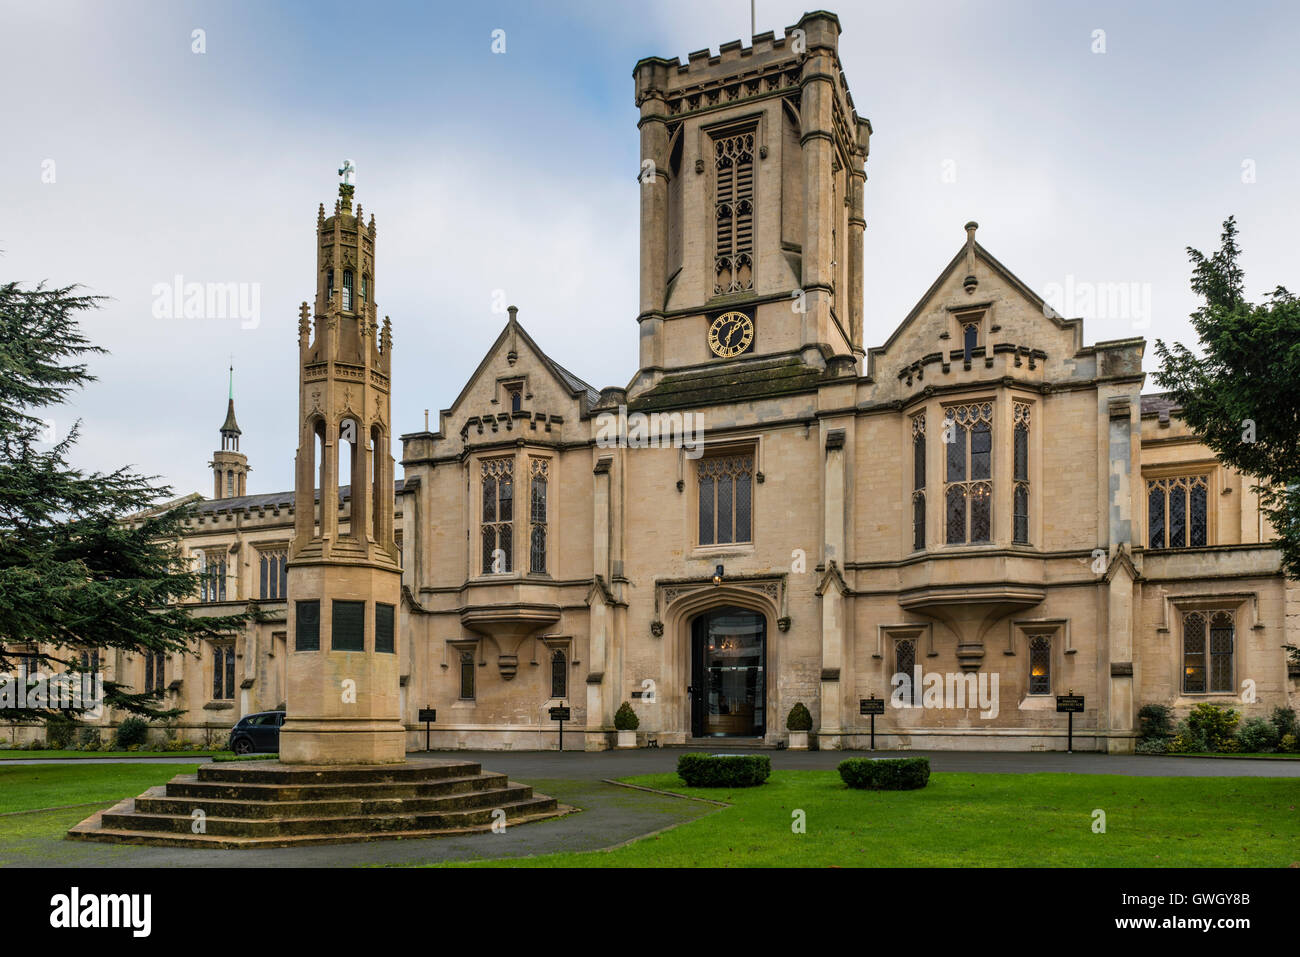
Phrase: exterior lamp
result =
(717, 575)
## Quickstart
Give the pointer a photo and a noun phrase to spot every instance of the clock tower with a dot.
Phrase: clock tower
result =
(344, 571)
(751, 180)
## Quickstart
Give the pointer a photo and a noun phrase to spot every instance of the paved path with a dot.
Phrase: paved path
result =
(524, 766)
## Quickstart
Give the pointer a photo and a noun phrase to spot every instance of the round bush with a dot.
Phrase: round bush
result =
(132, 731)
(1257, 735)
(886, 774)
(724, 770)
(800, 718)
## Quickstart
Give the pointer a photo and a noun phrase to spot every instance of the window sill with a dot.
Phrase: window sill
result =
(723, 550)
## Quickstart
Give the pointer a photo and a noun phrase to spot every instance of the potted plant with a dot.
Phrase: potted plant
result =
(799, 723)
(625, 723)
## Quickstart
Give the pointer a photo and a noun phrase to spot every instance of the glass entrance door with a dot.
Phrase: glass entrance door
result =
(728, 677)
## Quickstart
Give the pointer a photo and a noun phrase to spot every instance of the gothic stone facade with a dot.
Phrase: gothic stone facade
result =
(985, 495)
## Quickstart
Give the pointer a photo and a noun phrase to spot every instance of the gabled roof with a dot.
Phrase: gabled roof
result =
(587, 394)
(998, 269)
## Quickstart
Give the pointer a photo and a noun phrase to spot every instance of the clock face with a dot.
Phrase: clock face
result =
(731, 334)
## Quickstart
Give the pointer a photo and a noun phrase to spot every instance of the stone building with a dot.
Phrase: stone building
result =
(774, 510)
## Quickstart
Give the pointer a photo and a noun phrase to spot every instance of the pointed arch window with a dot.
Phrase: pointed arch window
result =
(273, 575)
(968, 492)
(726, 499)
(329, 285)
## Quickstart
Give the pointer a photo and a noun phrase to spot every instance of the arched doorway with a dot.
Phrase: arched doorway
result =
(728, 675)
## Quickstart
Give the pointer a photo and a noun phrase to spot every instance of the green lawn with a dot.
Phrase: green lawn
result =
(15, 754)
(973, 820)
(25, 787)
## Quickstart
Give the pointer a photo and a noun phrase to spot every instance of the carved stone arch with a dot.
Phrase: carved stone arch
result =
(678, 613)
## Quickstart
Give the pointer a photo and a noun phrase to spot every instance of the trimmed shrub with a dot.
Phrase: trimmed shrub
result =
(625, 718)
(1213, 726)
(1153, 745)
(885, 774)
(131, 732)
(1257, 735)
(799, 719)
(724, 770)
(1155, 722)
(1289, 744)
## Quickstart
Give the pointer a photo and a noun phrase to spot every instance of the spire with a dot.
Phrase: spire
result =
(230, 427)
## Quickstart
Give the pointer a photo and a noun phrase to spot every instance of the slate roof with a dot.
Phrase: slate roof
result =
(734, 383)
(270, 500)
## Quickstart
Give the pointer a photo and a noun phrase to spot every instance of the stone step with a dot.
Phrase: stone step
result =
(90, 830)
(236, 808)
(189, 786)
(273, 772)
(512, 802)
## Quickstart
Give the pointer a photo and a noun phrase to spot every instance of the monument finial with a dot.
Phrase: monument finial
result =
(347, 187)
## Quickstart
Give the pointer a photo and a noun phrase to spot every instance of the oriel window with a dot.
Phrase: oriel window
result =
(968, 492)
(918, 483)
(497, 528)
(1020, 476)
(537, 527)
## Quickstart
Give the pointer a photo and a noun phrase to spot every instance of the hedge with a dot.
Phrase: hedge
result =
(886, 774)
(724, 770)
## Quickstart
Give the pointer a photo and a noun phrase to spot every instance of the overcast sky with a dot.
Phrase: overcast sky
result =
(517, 172)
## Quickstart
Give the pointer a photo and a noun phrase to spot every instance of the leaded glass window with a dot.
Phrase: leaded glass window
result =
(212, 580)
(1178, 512)
(223, 671)
(347, 290)
(154, 670)
(1221, 640)
(498, 516)
(1020, 475)
(734, 212)
(905, 665)
(1194, 653)
(918, 482)
(466, 674)
(968, 441)
(1040, 664)
(537, 518)
(726, 499)
(559, 674)
(970, 334)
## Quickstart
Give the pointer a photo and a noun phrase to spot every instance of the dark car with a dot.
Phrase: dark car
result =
(257, 732)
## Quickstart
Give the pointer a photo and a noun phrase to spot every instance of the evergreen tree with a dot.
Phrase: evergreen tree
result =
(1242, 394)
(81, 571)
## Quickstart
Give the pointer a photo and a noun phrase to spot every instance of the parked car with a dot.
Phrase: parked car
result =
(257, 733)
